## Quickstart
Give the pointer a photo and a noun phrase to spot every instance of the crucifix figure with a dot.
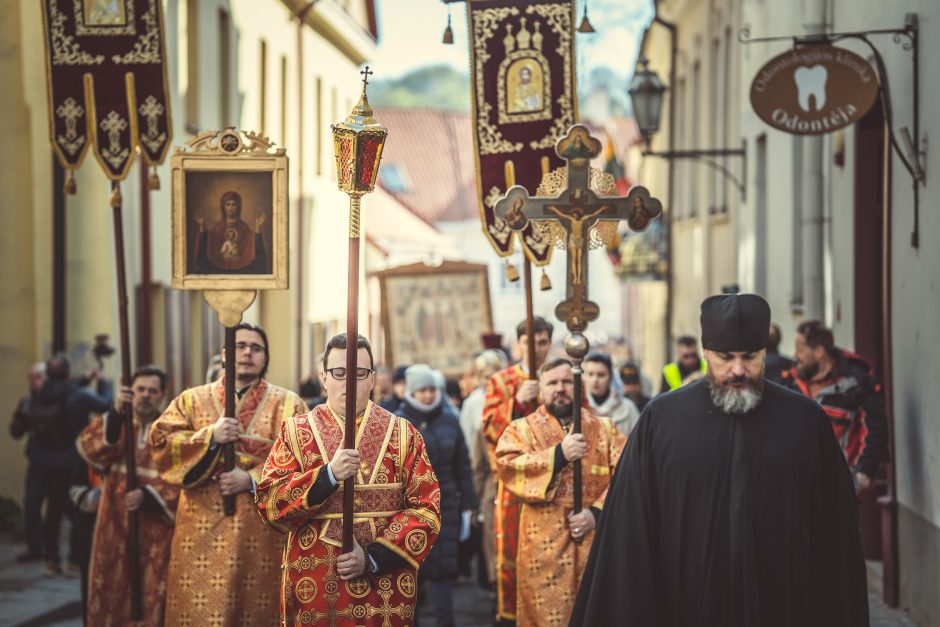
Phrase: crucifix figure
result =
(577, 209)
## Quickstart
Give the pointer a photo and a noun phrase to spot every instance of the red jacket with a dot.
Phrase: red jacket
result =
(854, 401)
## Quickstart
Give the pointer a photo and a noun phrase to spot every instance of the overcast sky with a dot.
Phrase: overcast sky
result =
(410, 34)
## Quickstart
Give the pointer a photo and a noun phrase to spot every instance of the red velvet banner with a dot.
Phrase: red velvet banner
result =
(522, 75)
(106, 73)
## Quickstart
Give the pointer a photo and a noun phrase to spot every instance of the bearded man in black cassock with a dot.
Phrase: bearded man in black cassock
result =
(731, 506)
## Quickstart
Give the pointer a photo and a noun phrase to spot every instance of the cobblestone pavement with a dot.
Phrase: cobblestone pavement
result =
(27, 599)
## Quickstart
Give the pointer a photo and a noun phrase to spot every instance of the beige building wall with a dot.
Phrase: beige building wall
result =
(763, 242)
(204, 37)
(704, 207)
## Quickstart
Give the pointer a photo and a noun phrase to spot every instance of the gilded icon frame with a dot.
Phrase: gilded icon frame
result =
(204, 174)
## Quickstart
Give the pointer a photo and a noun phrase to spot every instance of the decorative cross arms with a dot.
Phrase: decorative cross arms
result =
(577, 209)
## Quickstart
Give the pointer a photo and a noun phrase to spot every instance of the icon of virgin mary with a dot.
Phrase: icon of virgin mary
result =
(230, 246)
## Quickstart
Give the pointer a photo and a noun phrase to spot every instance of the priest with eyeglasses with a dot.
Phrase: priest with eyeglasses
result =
(397, 514)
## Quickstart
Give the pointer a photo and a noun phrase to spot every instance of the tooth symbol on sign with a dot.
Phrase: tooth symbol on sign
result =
(811, 82)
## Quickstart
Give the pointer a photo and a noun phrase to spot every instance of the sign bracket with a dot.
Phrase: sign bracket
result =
(914, 152)
(710, 157)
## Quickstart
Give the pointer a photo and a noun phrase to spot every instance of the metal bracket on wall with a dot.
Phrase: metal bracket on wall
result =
(710, 158)
(914, 153)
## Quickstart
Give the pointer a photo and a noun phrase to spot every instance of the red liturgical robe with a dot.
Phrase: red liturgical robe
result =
(109, 600)
(499, 410)
(397, 506)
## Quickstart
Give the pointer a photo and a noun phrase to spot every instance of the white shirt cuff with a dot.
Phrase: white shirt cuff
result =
(329, 475)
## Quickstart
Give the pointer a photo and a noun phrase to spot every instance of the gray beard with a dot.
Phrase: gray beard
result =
(732, 401)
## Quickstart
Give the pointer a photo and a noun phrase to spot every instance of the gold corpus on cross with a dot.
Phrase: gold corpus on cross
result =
(577, 209)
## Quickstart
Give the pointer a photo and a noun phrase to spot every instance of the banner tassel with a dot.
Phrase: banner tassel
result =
(153, 183)
(545, 284)
(512, 273)
(70, 187)
(116, 199)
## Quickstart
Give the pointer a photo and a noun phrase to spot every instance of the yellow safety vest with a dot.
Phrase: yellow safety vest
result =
(673, 375)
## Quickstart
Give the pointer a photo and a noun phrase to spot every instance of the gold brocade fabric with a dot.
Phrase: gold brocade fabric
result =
(224, 570)
(550, 563)
(397, 505)
(109, 601)
(498, 410)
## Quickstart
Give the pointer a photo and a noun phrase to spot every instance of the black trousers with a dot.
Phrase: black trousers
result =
(49, 484)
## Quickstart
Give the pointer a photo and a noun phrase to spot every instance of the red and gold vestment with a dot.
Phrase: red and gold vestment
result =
(223, 569)
(397, 505)
(550, 563)
(109, 599)
(499, 410)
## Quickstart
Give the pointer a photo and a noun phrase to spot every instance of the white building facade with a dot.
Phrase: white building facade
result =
(827, 230)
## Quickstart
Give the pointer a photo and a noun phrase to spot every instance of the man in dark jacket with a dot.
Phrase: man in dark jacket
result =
(18, 427)
(53, 418)
(775, 364)
(845, 386)
(425, 407)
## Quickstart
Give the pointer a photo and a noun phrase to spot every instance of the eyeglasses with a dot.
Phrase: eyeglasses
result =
(340, 373)
(255, 348)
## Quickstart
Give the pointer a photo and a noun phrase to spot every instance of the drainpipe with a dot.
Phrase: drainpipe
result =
(301, 222)
(668, 215)
(813, 198)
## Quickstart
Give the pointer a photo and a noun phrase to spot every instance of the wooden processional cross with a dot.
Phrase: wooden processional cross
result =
(577, 209)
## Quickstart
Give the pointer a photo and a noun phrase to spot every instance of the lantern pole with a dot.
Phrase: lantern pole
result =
(358, 143)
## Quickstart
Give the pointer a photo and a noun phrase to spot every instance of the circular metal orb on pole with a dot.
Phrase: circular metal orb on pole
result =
(357, 141)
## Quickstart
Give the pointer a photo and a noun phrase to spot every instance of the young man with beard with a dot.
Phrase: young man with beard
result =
(224, 570)
(534, 456)
(845, 387)
(732, 504)
(603, 395)
(101, 444)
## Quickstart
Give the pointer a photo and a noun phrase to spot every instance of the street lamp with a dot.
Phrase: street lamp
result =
(646, 94)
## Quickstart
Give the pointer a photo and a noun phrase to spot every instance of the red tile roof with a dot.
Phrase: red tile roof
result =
(433, 152)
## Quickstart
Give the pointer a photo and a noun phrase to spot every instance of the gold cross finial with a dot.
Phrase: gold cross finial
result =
(365, 76)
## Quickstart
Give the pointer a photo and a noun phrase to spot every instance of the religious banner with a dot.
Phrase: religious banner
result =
(106, 71)
(522, 75)
(435, 315)
(229, 213)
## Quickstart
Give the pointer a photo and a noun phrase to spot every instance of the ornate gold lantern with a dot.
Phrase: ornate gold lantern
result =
(358, 143)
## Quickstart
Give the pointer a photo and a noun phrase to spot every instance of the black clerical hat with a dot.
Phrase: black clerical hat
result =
(734, 323)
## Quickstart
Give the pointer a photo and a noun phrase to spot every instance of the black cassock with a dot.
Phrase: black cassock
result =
(726, 520)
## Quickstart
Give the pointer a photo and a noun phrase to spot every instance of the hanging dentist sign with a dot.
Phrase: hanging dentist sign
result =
(814, 90)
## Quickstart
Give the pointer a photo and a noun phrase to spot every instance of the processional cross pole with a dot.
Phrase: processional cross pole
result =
(577, 209)
(358, 143)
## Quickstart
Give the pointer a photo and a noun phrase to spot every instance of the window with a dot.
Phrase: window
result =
(225, 70)
(393, 179)
(189, 70)
(760, 218)
(715, 132)
(796, 287)
(319, 129)
(695, 107)
(263, 88)
(283, 111)
(682, 191)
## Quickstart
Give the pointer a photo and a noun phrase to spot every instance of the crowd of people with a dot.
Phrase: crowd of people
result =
(471, 476)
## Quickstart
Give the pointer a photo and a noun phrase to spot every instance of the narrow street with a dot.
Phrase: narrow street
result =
(27, 599)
